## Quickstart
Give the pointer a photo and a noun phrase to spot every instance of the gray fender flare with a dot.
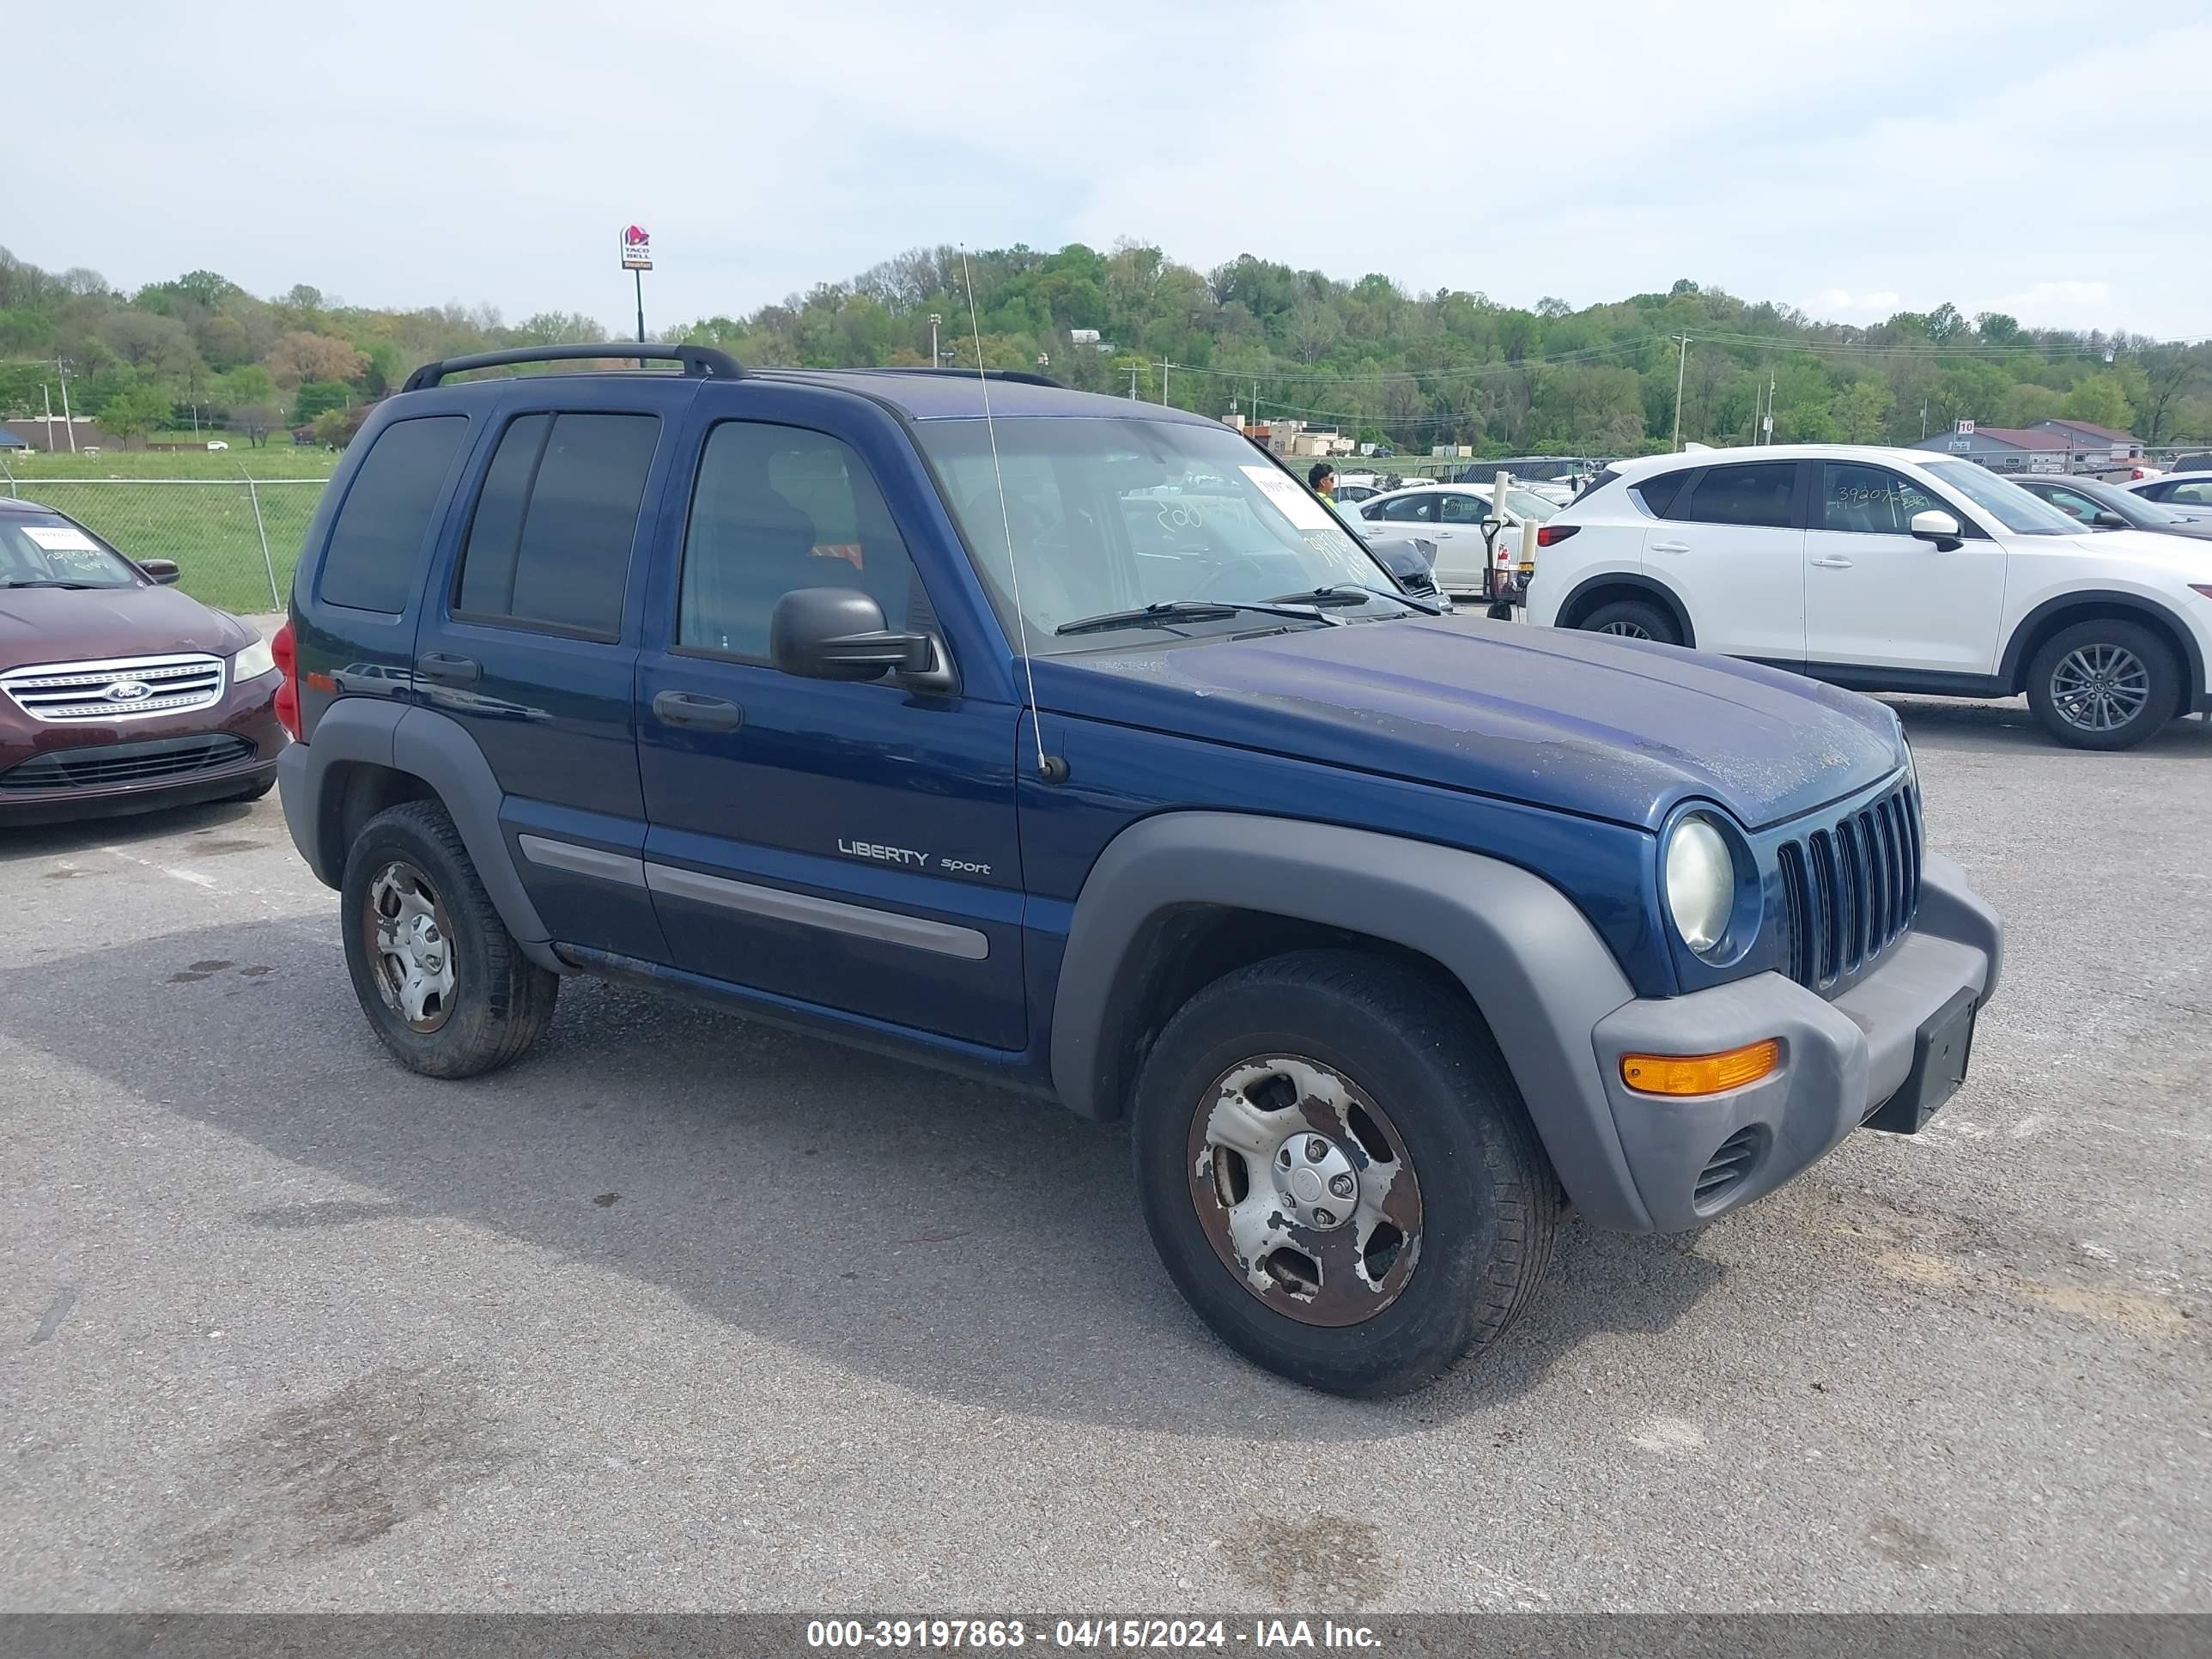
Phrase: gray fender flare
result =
(441, 752)
(1529, 960)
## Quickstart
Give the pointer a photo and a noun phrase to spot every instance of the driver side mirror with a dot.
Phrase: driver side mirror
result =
(163, 571)
(839, 633)
(1941, 528)
(2108, 520)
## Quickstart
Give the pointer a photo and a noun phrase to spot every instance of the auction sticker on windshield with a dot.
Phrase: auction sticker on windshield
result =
(1303, 512)
(61, 539)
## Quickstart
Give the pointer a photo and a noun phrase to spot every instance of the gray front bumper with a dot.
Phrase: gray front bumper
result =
(1841, 1060)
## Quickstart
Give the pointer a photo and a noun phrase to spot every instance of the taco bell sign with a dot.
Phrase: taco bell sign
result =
(637, 248)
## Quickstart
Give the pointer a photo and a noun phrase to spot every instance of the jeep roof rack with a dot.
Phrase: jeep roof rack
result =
(1019, 376)
(700, 363)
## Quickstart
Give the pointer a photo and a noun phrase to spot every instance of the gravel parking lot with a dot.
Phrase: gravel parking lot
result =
(686, 1313)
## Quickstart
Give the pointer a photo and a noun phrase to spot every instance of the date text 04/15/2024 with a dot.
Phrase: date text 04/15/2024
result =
(1262, 1635)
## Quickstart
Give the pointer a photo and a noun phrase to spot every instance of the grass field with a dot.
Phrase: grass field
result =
(277, 460)
(207, 528)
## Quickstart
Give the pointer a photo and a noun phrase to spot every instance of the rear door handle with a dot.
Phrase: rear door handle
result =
(449, 670)
(1670, 547)
(1831, 563)
(706, 713)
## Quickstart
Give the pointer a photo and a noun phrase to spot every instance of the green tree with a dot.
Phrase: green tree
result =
(333, 427)
(315, 398)
(134, 409)
(1862, 411)
(2098, 400)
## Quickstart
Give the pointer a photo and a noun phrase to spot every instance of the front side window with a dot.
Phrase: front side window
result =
(376, 546)
(777, 508)
(44, 550)
(2071, 503)
(1872, 500)
(548, 545)
(1756, 494)
(2012, 507)
(1464, 509)
(1111, 514)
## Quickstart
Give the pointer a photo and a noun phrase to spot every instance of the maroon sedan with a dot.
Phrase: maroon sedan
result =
(118, 694)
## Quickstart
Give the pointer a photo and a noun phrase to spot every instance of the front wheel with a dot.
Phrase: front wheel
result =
(2104, 685)
(1338, 1174)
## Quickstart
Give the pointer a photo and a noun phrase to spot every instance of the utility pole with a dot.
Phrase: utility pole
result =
(61, 367)
(1681, 364)
(1923, 418)
(935, 362)
(1132, 383)
(1767, 435)
(46, 396)
(1163, 379)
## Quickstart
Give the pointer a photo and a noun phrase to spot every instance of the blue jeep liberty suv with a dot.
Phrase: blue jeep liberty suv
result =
(1073, 743)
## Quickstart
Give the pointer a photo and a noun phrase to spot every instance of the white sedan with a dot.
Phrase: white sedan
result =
(1451, 516)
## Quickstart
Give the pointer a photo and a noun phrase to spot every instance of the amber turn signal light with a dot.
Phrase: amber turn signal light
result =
(1700, 1074)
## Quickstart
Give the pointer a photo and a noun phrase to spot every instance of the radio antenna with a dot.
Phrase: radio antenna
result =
(1050, 768)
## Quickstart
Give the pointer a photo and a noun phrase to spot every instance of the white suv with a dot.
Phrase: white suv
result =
(1889, 570)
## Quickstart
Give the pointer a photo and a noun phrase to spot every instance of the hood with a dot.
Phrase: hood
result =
(1584, 723)
(2181, 552)
(62, 624)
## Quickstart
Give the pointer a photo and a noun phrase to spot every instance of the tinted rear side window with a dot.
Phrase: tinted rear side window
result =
(1659, 493)
(548, 545)
(1755, 495)
(376, 546)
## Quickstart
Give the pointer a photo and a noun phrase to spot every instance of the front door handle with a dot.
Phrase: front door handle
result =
(1832, 562)
(448, 670)
(1670, 547)
(706, 713)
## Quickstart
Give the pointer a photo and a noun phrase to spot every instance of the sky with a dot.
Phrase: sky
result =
(1849, 159)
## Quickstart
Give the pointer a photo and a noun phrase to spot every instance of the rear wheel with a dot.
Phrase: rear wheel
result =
(2104, 685)
(441, 980)
(1338, 1172)
(1632, 619)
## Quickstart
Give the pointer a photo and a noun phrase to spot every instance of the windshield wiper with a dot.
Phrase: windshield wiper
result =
(1353, 593)
(54, 582)
(1169, 612)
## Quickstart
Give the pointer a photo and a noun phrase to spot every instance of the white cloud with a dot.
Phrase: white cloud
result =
(1879, 303)
(2065, 304)
(491, 157)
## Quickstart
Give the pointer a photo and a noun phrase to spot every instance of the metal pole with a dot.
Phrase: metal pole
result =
(68, 425)
(276, 599)
(46, 396)
(1681, 363)
(1163, 379)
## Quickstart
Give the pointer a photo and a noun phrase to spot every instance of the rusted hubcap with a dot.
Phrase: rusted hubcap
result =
(1305, 1189)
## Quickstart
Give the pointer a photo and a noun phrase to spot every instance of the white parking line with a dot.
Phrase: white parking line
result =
(193, 877)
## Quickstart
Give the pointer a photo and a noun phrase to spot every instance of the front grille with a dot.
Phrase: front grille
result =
(1729, 1168)
(1852, 888)
(110, 766)
(121, 689)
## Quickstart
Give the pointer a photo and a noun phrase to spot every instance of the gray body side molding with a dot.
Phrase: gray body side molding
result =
(1538, 972)
(437, 751)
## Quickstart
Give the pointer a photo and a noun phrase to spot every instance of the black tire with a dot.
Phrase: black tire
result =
(501, 1000)
(1637, 619)
(2076, 717)
(1488, 1200)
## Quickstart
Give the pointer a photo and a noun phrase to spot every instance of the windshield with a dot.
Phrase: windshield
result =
(45, 548)
(1111, 514)
(2005, 501)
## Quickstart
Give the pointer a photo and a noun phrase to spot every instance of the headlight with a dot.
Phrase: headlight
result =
(1700, 883)
(254, 661)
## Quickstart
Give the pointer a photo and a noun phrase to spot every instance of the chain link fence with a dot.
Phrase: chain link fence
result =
(235, 541)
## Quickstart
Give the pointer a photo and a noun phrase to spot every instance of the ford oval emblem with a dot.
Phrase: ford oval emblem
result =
(128, 691)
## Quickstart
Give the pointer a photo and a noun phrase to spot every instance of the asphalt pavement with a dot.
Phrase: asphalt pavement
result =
(684, 1313)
